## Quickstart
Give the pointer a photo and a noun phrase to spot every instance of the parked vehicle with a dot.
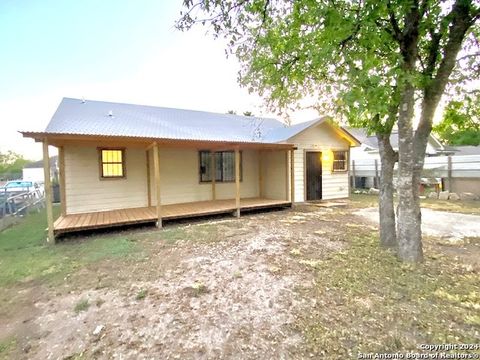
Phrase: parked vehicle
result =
(20, 186)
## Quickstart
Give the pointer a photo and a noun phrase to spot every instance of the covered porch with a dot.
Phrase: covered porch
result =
(111, 218)
(163, 180)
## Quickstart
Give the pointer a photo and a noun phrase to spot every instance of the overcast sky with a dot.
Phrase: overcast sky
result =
(123, 51)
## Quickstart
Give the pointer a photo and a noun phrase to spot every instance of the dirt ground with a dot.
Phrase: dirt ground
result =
(229, 297)
(215, 288)
(442, 224)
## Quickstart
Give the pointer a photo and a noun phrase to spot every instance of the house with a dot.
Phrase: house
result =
(365, 159)
(122, 163)
(461, 173)
(34, 171)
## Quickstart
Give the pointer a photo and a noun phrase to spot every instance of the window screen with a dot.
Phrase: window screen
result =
(224, 166)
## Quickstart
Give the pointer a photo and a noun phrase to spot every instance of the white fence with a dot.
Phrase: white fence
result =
(444, 167)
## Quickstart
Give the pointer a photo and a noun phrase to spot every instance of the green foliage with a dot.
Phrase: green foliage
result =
(461, 122)
(345, 55)
(11, 165)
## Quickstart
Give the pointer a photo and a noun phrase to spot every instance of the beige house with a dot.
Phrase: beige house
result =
(122, 164)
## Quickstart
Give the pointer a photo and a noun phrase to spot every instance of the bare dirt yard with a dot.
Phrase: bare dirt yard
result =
(303, 283)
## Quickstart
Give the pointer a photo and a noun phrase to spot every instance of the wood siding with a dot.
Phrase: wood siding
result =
(86, 192)
(320, 138)
(274, 175)
(180, 183)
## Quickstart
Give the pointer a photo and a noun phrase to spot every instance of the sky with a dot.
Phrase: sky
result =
(120, 51)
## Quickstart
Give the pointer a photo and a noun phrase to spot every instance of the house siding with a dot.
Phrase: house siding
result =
(87, 192)
(274, 175)
(320, 138)
(180, 183)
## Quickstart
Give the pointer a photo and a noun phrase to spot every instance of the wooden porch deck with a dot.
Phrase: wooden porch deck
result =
(112, 218)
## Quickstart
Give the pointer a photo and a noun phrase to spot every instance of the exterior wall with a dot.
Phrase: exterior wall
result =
(464, 184)
(180, 182)
(274, 173)
(87, 192)
(325, 139)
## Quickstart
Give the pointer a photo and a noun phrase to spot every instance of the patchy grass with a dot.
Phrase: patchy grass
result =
(24, 254)
(81, 305)
(6, 346)
(368, 301)
(142, 294)
(464, 207)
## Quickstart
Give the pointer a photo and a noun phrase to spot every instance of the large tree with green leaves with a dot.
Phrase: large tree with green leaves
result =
(366, 59)
(460, 124)
(11, 165)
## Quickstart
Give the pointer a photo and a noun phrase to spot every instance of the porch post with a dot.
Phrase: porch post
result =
(292, 176)
(149, 190)
(61, 165)
(287, 177)
(48, 191)
(213, 173)
(237, 181)
(260, 174)
(156, 166)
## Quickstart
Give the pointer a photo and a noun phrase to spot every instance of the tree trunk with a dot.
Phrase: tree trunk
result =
(409, 230)
(388, 234)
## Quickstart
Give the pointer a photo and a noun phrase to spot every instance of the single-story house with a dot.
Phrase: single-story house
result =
(121, 163)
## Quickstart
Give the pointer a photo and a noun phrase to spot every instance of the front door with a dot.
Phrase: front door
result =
(314, 175)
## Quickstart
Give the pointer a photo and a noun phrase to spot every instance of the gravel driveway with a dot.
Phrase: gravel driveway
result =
(444, 224)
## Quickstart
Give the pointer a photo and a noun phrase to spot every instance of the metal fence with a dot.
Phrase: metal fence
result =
(16, 204)
(366, 172)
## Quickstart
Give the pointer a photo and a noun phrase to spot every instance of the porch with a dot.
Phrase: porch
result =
(104, 219)
(161, 180)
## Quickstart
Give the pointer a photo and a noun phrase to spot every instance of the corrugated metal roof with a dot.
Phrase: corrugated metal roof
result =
(79, 117)
(286, 132)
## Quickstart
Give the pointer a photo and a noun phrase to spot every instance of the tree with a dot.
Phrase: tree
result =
(461, 122)
(366, 59)
(11, 165)
(231, 112)
(247, 113)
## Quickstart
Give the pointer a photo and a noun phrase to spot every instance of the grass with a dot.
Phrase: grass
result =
(368, 301)
(24, 254)
(464, 207)
(142, 294)
(81, 305)
(6, 346)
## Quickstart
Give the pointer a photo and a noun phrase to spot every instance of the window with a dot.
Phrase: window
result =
(340, 161)
(224, 166)
(112, 163)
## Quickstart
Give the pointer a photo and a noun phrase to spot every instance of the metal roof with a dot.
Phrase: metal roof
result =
(467, 150)
(80, 117)
(371, 141)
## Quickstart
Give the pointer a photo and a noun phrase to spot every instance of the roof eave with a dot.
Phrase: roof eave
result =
(56, 138)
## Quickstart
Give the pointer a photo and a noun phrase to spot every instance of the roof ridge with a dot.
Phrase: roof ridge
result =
(172, 108)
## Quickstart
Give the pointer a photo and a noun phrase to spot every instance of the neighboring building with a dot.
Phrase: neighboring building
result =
(122, 163)
(464, 174)
(34, 171)
(365, 159)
